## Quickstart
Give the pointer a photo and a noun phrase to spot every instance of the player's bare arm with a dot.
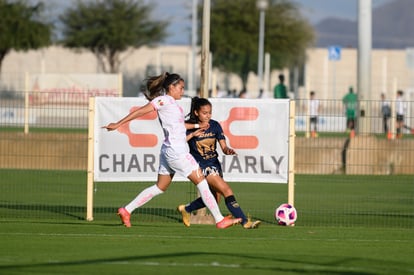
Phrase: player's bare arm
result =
(131, 116)
(226, 150)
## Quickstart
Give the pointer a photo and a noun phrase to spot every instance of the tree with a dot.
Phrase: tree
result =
(21, 28)
(110, 27)
(235, 34)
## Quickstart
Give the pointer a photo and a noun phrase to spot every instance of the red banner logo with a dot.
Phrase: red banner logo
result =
(236, 141)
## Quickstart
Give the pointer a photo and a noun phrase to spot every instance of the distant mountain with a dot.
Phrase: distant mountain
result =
(392, 28)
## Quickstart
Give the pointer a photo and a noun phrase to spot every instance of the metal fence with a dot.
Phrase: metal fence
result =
(329, 158)
(380, 145)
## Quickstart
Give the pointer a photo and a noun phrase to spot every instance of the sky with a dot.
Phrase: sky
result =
(178, 13)
(316, 10)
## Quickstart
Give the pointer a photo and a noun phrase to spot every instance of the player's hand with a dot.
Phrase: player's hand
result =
(229, 151)
(198, 132)
(204, 126)
(111, 126)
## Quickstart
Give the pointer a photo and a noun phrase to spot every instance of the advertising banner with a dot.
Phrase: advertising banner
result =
(72, 89)
(257, 129)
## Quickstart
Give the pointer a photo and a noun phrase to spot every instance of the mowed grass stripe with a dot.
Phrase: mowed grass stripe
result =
(80, 235)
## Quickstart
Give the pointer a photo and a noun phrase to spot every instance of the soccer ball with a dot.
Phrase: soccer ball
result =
(286, 214)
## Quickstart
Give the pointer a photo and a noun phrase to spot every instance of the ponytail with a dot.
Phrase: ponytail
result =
(158, 85)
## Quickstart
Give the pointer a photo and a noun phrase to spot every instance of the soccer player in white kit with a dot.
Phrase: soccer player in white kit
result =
(162, 92)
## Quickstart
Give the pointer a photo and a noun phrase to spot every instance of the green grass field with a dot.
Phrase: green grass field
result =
(346, 225)
(53, 247)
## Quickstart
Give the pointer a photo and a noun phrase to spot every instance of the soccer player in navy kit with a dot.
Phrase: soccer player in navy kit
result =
(202, 135)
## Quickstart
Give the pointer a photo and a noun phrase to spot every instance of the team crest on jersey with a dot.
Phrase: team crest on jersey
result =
(160, 102)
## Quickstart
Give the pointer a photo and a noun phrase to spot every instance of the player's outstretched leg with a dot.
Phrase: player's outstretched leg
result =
(125, 216)
(227, 222)
(212, 205)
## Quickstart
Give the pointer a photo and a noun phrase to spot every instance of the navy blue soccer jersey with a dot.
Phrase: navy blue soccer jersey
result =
(204, 147)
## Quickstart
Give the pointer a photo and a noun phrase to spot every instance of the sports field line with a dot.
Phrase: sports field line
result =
(244, 266)
(194, 237)
(188, 264)
(212, 264)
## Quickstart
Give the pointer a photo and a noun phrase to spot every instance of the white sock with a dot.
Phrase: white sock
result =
(209, 200)
(145, 196)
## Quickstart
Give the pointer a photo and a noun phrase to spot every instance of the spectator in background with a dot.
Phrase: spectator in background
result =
(260, 95)
(220, 92)
(243, 94)
(386, 112)
(401, 107)
(313, 114)
(350, 103)
(234, 93)
(280, 90)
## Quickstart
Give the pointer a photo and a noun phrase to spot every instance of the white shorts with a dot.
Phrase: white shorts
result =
(183, 164)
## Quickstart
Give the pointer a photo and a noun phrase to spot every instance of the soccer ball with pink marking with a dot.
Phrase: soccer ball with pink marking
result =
(286, 214)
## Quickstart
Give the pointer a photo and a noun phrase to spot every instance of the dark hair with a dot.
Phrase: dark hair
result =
(196, 104)
(158, 85)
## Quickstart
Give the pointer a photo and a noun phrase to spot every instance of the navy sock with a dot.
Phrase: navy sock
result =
(234, 208)
(195, 205)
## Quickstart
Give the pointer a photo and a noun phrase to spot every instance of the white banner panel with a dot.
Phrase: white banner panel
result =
(257, 129)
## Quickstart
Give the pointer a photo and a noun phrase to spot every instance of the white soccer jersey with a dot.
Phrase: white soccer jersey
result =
(171, 117)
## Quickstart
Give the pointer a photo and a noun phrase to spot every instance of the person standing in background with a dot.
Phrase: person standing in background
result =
(401, 107)
(280, 90)
(350, 101)
(313, 114)
(386, 112)
(243, 94)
